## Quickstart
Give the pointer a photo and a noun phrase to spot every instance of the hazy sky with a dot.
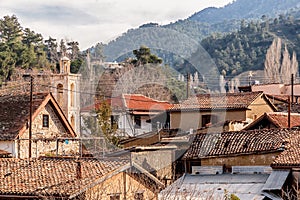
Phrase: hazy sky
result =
(92, 21)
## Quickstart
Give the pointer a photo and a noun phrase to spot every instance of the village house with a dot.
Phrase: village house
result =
(248, 164)
(73, 178)
(205, 110)
(131, 113)
(51, 133)
(240, 148)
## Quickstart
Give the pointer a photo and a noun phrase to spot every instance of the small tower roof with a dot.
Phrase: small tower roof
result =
(65, 58)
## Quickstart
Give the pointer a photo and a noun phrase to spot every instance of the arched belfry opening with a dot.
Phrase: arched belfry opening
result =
(72, 120)
(72, 95)
(60, 94)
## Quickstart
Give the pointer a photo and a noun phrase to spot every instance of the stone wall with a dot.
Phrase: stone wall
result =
(44, 139)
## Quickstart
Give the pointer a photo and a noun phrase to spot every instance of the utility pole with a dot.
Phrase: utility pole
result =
(187, 85)
(30, 117)
(292, 88)
(289, 112)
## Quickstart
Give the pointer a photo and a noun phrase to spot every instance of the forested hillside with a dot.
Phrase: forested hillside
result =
(245, 9)
(236, 36)
(246, 49)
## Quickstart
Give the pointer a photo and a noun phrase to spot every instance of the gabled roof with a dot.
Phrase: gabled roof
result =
(236, 143)
(132, 102)
(278, 119)
(228, 101)
(141, 102)
(51, 176)
(58, 177)
(113, 102)
(14, 113)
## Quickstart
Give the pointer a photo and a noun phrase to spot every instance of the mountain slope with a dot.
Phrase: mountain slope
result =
(245, 9)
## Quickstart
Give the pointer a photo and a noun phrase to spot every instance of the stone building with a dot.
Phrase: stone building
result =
(65, 87)
(205, 110)
(51, 133)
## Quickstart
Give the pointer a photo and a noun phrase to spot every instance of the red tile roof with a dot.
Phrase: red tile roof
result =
(140, 102)
(14, 113)
(51, 176)
(233, 143)
(218, 101)
(278, 119)
(291, 155)
(136, 102)
(281, 119)
(113, 102)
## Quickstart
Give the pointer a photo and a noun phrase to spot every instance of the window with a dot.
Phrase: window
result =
(46, 121)
(114, 121)
(139, 196)
(209, 119)
(137, 121)
(114, 197)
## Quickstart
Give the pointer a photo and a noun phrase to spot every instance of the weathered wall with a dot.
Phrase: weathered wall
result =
(54, 131)
(258, 108)
(241, 160)
(118, 184)
(159, 162)
(187, 120)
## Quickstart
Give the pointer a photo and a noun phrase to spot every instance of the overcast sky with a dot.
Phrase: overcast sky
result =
(92, 21)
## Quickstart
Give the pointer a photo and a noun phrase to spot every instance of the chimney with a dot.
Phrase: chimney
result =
(78, 169)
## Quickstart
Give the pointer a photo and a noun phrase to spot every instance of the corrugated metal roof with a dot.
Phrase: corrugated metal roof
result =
(244, 186)
(276, 180)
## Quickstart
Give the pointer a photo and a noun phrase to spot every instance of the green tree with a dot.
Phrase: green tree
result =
(11, 45)
(144, 56)
(51, 50)
(108, 128)
(62, 48)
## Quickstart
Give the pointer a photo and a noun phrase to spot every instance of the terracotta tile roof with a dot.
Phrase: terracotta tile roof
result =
(278, 119)
(14, 113)
(291, 155)
(218, 101)
(233, 143)
(281, 119)
(141, 102)
(51, 176)
(114, 102)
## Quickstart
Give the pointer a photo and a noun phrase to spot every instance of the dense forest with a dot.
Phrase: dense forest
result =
(22, 48)
(246, 49)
